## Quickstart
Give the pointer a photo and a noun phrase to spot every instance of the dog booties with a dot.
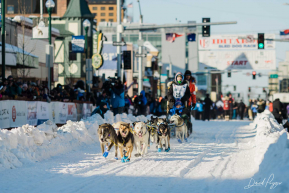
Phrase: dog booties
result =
(125, 159)
(167, 150)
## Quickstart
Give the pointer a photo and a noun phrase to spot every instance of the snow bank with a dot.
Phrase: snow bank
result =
(28, 144)
(268, 131)
(272, 153)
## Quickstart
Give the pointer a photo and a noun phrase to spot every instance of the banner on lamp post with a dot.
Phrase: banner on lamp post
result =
(77, 44)
(40, 32)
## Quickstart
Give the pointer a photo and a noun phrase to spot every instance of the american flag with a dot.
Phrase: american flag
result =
(129, 5)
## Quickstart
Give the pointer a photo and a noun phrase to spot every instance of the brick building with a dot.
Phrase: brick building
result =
(31, 8)
(104, 10)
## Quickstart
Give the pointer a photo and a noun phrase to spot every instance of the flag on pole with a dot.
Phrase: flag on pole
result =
(129, 5)
(284, 34)
(191, 37)
(172, 36)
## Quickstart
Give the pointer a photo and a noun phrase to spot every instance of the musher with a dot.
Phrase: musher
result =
(178, 97)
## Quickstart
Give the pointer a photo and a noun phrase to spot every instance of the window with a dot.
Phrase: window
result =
(94, 14)
(102, 8)
(102, 20)
(110, 20)
(72, 55)
(202, 80)
(102, 14)
(94, 8)
(110, 8)
(110, 14)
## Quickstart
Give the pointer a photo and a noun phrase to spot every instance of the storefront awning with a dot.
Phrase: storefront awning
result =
(14, 56)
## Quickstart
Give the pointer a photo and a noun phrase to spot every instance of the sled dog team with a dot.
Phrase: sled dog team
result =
(125, 136)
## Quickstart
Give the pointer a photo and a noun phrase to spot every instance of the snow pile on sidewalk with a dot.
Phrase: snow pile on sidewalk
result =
(272, 153)
(28, 144)
(268, 132)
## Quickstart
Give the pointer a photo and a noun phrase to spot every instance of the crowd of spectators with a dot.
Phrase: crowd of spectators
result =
(29, 90)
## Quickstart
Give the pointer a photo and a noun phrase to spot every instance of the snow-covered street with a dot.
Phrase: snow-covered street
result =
(219, 157)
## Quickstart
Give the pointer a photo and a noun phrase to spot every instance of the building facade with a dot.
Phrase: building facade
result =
(104, 10)
(31, 8)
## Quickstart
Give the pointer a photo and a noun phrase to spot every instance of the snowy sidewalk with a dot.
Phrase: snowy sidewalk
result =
(219, 157)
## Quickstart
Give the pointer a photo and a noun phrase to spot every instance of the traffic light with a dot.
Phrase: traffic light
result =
(264, 90)
(254, 74)
(249, 89)
(206, 28)
(126, 60)
(235, 88)
(261, 42)
(229, 73)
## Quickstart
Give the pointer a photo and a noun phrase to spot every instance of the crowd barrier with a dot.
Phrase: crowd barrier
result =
(15, 113)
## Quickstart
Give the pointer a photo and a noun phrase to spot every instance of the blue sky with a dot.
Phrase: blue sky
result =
(253, 16)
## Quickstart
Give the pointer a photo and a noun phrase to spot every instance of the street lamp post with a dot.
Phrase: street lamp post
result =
(50, 5)
(3, 40)
(160, 72)
(86, 25)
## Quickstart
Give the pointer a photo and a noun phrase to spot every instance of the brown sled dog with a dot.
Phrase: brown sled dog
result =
(125, 140)
(106, 134)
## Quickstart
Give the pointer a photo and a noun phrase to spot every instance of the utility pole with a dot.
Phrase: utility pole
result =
(3, 39)
(41, 10)
(119, 30)
(140, 81)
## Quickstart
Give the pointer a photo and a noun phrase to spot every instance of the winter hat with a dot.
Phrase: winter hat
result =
(178, 103)
(188, 73)
(179, 74)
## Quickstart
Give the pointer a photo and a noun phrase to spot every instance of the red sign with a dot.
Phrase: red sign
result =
(13, 113)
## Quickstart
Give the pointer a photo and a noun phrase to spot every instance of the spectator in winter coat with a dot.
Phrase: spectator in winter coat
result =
(101, 110)
(207, 107)
(261, 106)
(254, 109)
(117, 98)
(199, 110)
(270, 106)
(192, 81)
(25, 91)
(277, 110)
(241, 109)
(231, 100)
(143, 103)
(103, 98)
(154, 107)
(226, 108)
(235, 109)
(220, 109)
(11, 89)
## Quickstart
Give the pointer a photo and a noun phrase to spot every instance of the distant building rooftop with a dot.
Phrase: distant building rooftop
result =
(101, 1)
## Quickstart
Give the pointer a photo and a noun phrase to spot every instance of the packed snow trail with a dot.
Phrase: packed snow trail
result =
(217, 158)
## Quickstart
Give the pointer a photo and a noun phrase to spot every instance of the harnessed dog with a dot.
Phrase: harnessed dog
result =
(163, 135)
(181, 128)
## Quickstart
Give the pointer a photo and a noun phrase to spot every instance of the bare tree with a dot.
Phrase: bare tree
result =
(24, 42)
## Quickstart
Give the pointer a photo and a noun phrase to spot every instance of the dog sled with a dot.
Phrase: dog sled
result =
(173, 126)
